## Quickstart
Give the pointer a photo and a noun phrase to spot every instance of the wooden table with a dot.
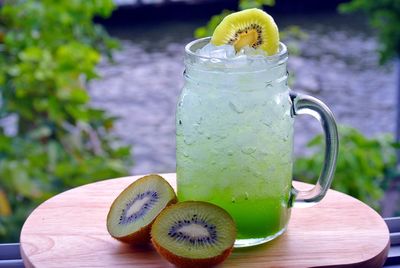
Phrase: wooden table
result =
(69, 230)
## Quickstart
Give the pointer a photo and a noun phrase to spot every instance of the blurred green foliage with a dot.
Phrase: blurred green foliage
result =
(384, 16)
(209, 28)
(245, 4)
(365, 166)
(49, 51)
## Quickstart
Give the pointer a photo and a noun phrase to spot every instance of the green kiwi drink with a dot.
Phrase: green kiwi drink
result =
(234, 133)
(234, 140)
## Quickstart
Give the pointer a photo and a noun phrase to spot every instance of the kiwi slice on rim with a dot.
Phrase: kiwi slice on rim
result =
(194, 234)
(250, 27)
(135, 209)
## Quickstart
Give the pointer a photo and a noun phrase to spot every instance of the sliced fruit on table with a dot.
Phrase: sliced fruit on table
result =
(194, 234)
(135, 209)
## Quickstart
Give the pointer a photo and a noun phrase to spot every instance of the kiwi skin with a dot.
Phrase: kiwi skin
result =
(184, 262)
(141, 236)
(190, 263)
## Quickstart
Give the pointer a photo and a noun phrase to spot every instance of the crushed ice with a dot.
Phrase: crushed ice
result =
(228, 52)
(216, 54)
(220, 52)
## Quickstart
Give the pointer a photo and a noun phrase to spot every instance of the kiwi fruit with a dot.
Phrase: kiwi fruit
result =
(194, 234)
(250, 27)
(135, 209)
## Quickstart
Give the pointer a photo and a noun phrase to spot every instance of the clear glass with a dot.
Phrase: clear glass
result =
(234, 141)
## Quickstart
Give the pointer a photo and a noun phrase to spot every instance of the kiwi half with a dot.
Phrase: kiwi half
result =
(194, 234)
(134, 210)
(250, 27)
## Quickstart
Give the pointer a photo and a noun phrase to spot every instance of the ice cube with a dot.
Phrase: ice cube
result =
(230, 51)
(252, 52)
(237, 61)
(220, 52)
(247, 50)
(261, 52)
(246, 56)
(206, 50)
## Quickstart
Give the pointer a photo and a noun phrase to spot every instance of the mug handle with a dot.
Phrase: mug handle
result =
(304, 104)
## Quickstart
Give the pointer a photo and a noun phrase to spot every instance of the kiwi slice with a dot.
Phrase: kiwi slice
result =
(194, 234)
(250, 27)
(134, 210)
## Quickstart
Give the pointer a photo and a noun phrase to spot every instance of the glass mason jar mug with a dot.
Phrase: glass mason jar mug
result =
(234, 141)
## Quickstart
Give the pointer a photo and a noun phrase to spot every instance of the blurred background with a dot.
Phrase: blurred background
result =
(88, 91)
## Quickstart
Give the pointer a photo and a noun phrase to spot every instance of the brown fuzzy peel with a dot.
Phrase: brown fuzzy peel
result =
(190, 263)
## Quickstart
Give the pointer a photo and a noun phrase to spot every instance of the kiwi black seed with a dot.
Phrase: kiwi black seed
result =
(194, 234)
(134, 210)
(246, 30)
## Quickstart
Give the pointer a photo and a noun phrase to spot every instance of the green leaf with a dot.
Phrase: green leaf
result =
(208, 29)
(364, 167)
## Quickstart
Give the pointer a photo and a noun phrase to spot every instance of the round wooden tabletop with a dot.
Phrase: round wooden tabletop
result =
(69, 230)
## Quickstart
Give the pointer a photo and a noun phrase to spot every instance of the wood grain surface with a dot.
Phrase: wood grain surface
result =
(69, 230)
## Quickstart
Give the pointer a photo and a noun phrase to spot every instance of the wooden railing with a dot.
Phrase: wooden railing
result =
(393, 259)
(10, 256)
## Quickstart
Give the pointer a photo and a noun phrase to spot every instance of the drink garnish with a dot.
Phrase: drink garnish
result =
(251, 27)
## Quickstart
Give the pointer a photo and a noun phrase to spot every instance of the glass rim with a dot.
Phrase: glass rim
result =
(281, 55)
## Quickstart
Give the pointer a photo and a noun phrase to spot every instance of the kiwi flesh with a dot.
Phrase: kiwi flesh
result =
(251, 27)
(135, 209)
(194, 234)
